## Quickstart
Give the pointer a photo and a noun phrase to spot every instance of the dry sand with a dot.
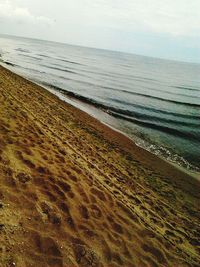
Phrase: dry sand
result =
(75, 193)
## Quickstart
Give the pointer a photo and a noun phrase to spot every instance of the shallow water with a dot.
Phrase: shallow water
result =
(156, 102)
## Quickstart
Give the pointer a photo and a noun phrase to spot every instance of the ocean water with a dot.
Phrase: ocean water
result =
(156, 102)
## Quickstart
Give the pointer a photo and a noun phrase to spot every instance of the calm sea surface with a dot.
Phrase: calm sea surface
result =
(156, 102)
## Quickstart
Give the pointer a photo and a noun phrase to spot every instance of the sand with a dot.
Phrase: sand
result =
(74, 192)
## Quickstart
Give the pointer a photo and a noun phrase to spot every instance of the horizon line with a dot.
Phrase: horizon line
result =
(105, 49)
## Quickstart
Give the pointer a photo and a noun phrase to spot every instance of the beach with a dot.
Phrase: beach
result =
(74, 192)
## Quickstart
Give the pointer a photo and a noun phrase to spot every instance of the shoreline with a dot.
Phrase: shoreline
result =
(82, 106)
(184, 171)
(62, 97)
(86, 187)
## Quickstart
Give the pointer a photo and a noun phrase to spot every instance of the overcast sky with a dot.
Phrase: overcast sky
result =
(161, 28)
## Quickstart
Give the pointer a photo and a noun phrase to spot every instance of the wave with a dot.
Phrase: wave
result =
(60, 69)
(116, 75)
(150, 109)
(9, 63)
(165, 112)
(32, 57)
(187, 88)
(163, 99)
(22, 50)
(79, 72)
(123, 90)
(42, 55)
(172, 93)
(143, 116)
(24, 68)
(165, 129)
(63, 60)
(167, 153)
(157, 118)
(125, 115)
(72, 62)
(135, 78)
(152, 89)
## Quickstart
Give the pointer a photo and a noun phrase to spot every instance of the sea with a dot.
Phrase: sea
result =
(155, 102)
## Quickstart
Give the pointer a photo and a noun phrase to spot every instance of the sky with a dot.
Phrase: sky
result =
(159, 28)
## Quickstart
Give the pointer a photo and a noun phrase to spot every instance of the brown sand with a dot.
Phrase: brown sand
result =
(75, 193)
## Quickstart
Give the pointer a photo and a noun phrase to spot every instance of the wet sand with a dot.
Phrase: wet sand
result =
(74, 192)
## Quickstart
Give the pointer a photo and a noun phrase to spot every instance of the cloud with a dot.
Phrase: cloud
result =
(164, 28)
(175, 17)
(9, 11)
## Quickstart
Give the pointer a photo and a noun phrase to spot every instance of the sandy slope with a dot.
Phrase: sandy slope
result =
(75, 193)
